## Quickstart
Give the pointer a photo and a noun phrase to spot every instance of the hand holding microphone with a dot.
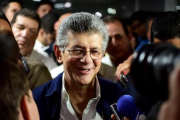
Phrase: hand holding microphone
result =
(126, 107)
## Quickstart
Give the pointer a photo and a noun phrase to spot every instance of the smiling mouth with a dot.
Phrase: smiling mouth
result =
(84, 71)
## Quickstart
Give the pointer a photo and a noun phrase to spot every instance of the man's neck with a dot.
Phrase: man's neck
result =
(41, 41)
(80, 96)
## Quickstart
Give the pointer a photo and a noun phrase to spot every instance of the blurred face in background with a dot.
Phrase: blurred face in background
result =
(25, 31)
(138, 29)
(12, 8)
(48, 38)
(44, 9)
(119, 43)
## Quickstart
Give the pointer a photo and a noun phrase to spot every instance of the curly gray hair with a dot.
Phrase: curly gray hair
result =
(80, 23)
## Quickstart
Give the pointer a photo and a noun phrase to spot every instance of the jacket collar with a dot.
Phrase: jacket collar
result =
(55, 86)
(54, 93)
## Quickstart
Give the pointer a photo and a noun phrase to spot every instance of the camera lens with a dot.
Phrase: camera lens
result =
(151, 67)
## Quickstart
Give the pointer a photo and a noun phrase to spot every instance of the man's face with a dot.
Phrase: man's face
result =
(25, 31)
(48, 38)
(84, 70)
(12, 8)
(119, 44)
(43, 9)
(138, 29)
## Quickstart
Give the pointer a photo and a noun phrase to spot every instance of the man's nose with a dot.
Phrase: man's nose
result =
(24, 32)
(114, 42)
(87, 57)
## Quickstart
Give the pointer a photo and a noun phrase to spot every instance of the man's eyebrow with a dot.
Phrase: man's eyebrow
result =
(34, 29)
(77, 46)
(20, 24)
(25, 26)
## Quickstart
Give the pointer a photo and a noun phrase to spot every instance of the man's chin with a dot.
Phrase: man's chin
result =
(115, 56)
(23, 52)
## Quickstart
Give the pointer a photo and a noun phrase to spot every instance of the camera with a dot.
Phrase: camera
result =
(151, 67)
(122, 80)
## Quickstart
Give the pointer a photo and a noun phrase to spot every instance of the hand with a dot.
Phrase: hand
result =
(124, 67)
(171, 108)
(114, 118)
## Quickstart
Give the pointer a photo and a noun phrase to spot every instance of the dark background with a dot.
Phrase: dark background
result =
(123, 7)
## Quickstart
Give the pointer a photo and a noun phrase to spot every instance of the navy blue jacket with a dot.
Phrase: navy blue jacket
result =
(48, 98)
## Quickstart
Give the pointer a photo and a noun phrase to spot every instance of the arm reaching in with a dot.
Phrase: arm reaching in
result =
(124, 67)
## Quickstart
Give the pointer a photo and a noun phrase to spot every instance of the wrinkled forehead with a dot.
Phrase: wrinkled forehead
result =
(4, 25)
(15, 5)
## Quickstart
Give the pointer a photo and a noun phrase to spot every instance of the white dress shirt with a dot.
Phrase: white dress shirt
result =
(57, 70)
(40, 48)
(67, 112)
(106, 60)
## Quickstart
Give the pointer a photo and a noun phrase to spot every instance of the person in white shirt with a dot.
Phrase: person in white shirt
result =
(25, 26)
(46, 34)
(10, 7)
(43, 7)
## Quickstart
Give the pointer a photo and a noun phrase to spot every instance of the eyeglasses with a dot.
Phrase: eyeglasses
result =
(80, 53)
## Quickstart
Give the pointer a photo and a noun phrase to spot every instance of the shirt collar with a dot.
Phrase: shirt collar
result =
(55, 85)
(40, 45)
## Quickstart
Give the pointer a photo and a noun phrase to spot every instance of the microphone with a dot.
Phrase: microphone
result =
(126, 107)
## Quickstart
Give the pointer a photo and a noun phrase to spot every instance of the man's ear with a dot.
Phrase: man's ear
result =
(130, 36)
(58, 53)
(56, 25)
(41, 32)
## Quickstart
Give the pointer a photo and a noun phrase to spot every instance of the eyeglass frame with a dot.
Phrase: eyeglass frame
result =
(84, 51)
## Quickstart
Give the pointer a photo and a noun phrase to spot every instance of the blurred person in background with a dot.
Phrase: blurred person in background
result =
(37, 73)
(119, 45)
(10, 7)
(43, 7)
(126, 64)
(25, 25)
(138, 28)
(16, 100)
(165, 29)
(46, 35)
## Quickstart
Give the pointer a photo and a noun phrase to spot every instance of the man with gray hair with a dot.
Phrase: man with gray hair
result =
(77, 93)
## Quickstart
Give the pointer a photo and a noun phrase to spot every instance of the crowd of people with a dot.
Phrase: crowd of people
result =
(70, 67)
